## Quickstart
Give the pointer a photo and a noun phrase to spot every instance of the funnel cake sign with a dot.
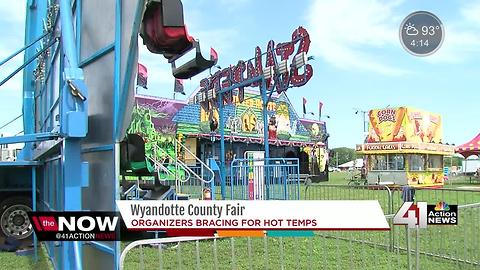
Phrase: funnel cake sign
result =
(283, 65)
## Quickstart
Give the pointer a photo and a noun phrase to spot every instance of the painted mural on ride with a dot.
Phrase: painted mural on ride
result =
(152, 119)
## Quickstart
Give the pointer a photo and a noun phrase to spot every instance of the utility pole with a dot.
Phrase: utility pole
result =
(364, 115)
(336, 157)
(364, 122)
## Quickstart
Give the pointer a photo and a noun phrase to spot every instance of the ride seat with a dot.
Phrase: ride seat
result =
(163, 30)
(133, 158)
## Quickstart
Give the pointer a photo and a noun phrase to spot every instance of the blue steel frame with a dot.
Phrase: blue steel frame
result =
(71, 171)
(36, 10)
(72, 161)
(266, 95)
(284, 172)
(221, 125)
(121, 94)
(66, 170)
(23, 49)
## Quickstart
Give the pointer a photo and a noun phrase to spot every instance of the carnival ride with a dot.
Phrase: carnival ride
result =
(78, 81)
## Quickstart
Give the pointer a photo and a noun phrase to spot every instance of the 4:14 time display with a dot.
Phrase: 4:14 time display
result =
(419, 43)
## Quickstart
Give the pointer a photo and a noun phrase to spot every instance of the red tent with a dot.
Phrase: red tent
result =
(470, 148)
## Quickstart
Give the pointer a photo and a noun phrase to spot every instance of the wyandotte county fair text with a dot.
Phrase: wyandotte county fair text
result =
(256, 215)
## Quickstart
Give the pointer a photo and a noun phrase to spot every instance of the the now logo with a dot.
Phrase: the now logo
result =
(412, 215)
(75, 225)
(87, 223)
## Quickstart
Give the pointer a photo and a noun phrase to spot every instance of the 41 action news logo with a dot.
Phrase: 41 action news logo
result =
(422, 214)
(75, 226)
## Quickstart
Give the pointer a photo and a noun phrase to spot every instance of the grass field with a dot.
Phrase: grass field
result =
(281, 253)
(9, 261)
(338, 250)
(458, 191)
(457, 181)
(327, 250)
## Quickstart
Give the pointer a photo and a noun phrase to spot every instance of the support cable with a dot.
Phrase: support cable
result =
(24, 48)
(11, 121)
(29, 61)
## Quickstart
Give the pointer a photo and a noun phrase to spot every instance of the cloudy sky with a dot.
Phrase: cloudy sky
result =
(359, 62)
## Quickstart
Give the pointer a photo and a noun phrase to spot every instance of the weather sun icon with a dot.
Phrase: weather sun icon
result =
(410, 29)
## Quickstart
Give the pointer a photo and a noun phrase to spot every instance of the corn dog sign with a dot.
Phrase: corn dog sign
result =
(404, 124)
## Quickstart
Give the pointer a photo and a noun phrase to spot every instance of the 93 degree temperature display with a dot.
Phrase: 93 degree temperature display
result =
(421, 33)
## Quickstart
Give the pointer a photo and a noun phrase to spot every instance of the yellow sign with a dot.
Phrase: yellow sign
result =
(191, 144)
(404, 124)
(249, 121)
(386, 125)
(425, 178)
(205, 115)
(255, 103)
(423, 126)
(405, 147)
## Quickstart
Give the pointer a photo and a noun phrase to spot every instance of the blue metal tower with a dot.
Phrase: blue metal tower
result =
(79, 74)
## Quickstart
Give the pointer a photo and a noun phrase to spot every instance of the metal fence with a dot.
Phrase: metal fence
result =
(459, 244)
(264, 179)
(435, 247)
(195, 185)
(383, 194)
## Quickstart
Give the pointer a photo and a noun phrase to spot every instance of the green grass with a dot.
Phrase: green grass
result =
(280, 253)
(461, 241)
(326, 251)
(458, 191)
(454, 182)
(8, 260)
(322, 251)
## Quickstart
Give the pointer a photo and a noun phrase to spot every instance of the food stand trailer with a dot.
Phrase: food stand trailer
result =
(404, 147)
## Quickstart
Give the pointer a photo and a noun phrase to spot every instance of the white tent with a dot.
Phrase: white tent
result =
(471, 164)
(357, 163)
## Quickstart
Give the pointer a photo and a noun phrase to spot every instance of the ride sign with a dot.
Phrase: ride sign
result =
(274, 66)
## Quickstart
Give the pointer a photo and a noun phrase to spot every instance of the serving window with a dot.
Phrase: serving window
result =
(396, 163)
(435, 162)
(425, 162)
(417, 162)
(390, 162)
(379, 162)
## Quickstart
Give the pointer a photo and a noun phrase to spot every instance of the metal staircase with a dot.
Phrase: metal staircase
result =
(194, 188)
(189, 182)
(161, 167)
